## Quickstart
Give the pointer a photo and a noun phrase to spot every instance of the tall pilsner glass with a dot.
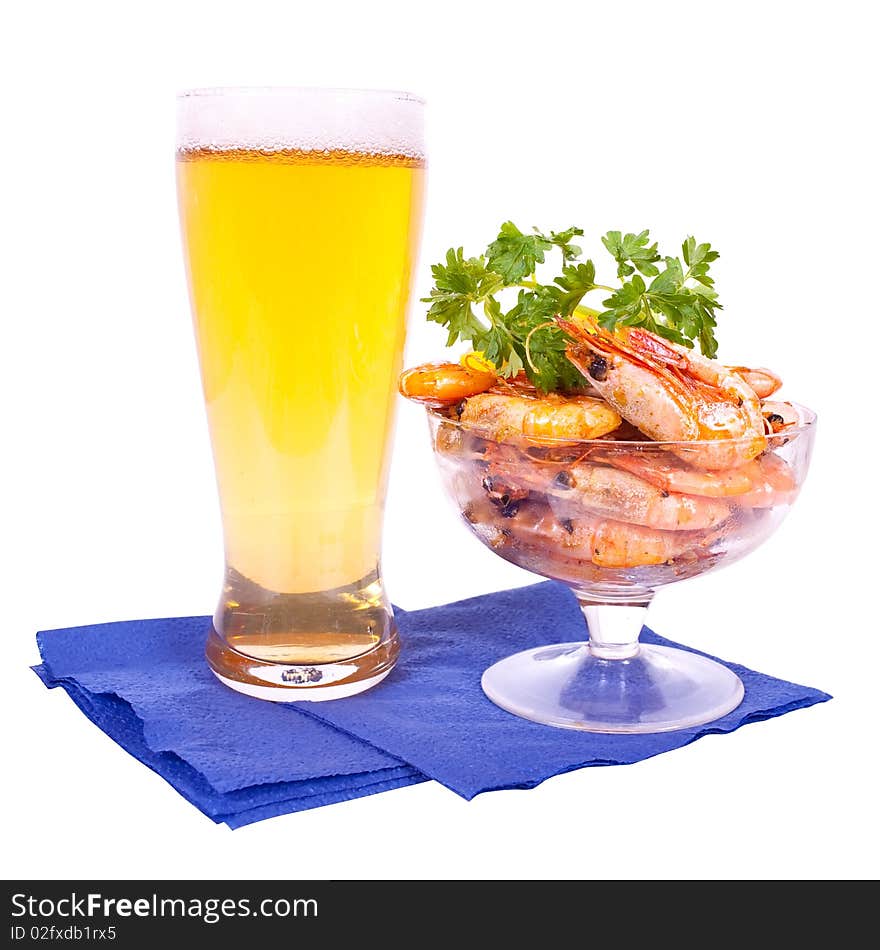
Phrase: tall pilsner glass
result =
(301, 212)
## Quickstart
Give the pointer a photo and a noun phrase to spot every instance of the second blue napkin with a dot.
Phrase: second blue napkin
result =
(432, 713)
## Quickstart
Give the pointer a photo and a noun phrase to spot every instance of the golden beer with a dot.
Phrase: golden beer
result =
(299, 265)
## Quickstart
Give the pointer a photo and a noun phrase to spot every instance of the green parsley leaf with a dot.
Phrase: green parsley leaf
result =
(532, 308)
(632, 253)
(546, 363)
(457, 285)
(680, 302)
(498, 343)
(575, 283)
(539, 342)
(514, 255)
(562, 240)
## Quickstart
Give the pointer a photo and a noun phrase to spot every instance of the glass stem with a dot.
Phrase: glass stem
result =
(615, 627)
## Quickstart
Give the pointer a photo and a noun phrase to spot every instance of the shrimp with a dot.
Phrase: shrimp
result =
(671, 393)
(668, 473)
(441, 385)
(763, 381)
(622, 496)
(603, 541)
(779, 415)
(483, 519)
(773, 483)
(507, 466)
(551, 417)
(614, 544)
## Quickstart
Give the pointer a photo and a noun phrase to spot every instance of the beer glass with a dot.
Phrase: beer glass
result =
(301, 212)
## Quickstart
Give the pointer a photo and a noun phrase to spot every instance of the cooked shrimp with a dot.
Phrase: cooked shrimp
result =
(668, 473)
(779, 415)
(670, 392)
(614, 544)
(603, 541)
(507, 465)
(485, 522)
(773, 483)
(553, 418)
(625, 497)
(763, 381)
(441, 385)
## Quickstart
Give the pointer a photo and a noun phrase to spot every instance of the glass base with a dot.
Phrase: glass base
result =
(289, 683)
(659, 689)
(313, 646)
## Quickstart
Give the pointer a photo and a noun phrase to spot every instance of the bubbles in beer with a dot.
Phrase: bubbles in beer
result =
(296, 156)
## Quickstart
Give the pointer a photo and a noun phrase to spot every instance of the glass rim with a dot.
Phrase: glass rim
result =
(773, 438)
(401, 95)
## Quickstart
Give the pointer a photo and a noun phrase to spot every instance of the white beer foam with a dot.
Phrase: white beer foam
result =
(375, 122)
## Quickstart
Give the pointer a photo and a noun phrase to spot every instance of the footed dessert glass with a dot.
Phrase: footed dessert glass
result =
(615, 520)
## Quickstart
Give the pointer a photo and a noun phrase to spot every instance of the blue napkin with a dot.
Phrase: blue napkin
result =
(239, 760)
(431, 711)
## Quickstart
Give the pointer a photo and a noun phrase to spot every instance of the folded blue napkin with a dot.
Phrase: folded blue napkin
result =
(239, 760)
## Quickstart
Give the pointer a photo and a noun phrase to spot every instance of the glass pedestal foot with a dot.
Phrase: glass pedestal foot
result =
(657, 689)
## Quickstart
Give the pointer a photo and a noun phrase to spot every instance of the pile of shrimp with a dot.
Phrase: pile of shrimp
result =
(573, 480)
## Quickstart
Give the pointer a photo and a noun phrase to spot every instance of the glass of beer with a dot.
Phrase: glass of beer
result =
(301, 214)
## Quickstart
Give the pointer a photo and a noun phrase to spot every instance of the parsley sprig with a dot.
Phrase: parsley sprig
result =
(671, 296)
(678, 304)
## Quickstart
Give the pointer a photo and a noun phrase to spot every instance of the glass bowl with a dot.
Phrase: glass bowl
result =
(614, 520)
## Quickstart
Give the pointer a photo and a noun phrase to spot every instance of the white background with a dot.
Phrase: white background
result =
(750, 125)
